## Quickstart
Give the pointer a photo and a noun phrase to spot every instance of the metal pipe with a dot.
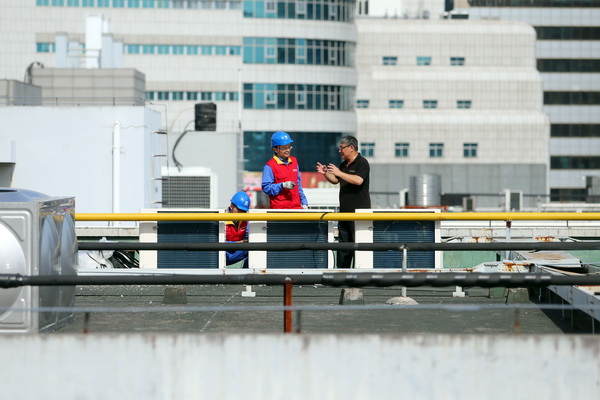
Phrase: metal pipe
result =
(292, 246)
(436, 278)
(287, 302)
(116, 173)
(330, 216)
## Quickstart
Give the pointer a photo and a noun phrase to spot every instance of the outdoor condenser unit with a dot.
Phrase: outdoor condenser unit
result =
(190, 187)
(397, 232)
(290, 232)
(37, 237)
(182, 232)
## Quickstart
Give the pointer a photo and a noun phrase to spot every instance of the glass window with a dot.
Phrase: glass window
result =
(574, 162)
(233, 96)
(220, 96)
(191, 95)
(149, 95)
(88, 3)
(205, 95)
(163, 49)
(423, 60)
(132, 49)
(118, 3)
(456, 61)
(430, 103)
(207, 50)
(436, 150)
(178, 49)
(401, 150)
(463, 103)
(148, 4)
(367, 149)
(58, 3)
(469, 150)
(362, 103)
(162, 95)
(104, 3)
(191, 50)
(43, 47)
(148, 49)
(42, 2)
(221, 50)
(163, 3)
(177, 96)
(390, 60)
(235, 50)
(575, 130)
(73, 3)
(396, 104)
(133, 3)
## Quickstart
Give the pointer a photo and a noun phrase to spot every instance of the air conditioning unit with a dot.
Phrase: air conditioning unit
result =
(37, 237)
(513, 200)
(289, 232)
(193, 187)
(399, 231)
(182, 232)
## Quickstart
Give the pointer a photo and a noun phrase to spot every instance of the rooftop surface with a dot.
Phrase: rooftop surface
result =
(223, 309)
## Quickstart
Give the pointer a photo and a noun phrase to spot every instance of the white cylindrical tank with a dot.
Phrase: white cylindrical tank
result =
(425, 190)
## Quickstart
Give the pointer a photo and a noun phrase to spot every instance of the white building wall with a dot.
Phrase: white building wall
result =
(68, 151)
(560, 81)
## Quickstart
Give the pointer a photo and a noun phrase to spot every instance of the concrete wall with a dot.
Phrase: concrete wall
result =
(324, 367)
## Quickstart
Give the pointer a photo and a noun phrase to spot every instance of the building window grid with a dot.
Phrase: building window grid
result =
(361, 103)
(283, 97)
(396, 104)
(367, 149)
(192, 96)
(323, 10)
(297, 51)
(430, 104)
(463, 103)
(176, 4)
(457, 61)
(470, 150)
(401, 150)
(390, 60)
(423, 60)
(436, 150)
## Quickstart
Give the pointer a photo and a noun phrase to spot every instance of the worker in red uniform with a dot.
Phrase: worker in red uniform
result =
(237, 231)
(281, 175)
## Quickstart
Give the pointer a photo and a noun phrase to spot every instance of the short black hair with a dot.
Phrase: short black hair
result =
(350, 141)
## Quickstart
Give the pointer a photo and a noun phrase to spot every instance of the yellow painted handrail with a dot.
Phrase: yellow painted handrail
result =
(331, 216)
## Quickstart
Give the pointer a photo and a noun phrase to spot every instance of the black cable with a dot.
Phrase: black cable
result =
(185, 131)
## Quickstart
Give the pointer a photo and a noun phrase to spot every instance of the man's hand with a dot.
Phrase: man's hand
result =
(332, 169)
(288, 185)
(322, 169)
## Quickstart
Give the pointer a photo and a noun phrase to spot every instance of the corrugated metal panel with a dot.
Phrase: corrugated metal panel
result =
(403, 232)
(184, 232)
(297, 231)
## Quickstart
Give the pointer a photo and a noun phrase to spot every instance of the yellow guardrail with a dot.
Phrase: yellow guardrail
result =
(332, 216)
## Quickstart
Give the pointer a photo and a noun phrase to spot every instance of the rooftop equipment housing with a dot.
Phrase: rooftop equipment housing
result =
(37, 237)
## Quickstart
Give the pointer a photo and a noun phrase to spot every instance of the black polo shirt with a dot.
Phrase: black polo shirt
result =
(355, 196)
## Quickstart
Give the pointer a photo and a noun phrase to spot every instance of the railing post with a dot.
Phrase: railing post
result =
(287, 302)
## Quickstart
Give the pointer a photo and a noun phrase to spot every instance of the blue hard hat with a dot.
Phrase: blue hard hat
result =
(280, 138)
(241, 201)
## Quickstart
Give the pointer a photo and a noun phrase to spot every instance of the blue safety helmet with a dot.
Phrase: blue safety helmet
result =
(241, 201)
(280, 138)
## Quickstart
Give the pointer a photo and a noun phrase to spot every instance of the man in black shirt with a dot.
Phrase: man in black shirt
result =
(353, 177)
